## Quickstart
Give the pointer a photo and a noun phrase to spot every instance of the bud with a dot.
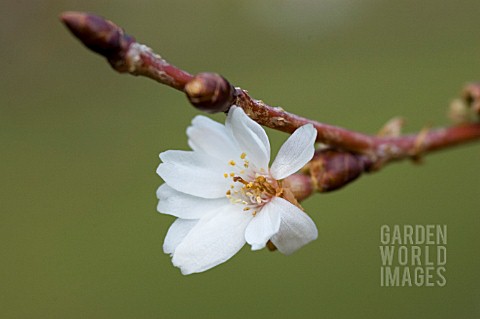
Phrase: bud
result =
(299, 185)
(99, 35)
(459, 112)
(393, 128)
(333, 169)
(471, 95)
(210, 92)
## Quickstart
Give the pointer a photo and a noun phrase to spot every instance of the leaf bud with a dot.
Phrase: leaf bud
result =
(333, 169)
(210, 92)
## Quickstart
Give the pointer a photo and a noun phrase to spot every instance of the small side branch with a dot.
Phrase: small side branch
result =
(212, 93)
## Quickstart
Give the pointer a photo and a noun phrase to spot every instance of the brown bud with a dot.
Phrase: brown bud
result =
(299, 185)
(99, 35)
(332, 169)
(471, 95)
(210, 92)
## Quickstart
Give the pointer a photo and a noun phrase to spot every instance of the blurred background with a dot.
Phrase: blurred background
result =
(79, 232)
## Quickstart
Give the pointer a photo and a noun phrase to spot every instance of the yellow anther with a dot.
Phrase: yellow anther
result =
(232, 162)
(246, 208)
(253, 193)
(225, 175)
(243, 155)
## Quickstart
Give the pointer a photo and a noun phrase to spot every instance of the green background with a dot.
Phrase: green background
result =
(79, 233)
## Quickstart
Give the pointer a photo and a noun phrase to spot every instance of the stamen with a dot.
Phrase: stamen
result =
(243, 155)
(253, 193)
(232, 162)
(239, 179)
(225, 175)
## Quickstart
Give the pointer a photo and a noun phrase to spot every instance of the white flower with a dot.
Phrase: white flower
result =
(224, 194)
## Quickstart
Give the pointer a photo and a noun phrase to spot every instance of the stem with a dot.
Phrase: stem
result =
(142, 61)
(123, 53)
(212, 93)
(277, 118)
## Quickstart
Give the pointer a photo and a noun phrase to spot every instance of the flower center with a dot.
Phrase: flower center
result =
(249, 187)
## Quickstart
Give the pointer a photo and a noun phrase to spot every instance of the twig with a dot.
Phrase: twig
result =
(212, 93)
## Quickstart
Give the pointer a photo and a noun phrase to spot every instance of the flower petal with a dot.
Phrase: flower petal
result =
(296, 228)
(251, 137)
(194, 173)
(297, 150)
(212, 241)
(176, 233)
(210, 137)
(263, 226)
(186, 206)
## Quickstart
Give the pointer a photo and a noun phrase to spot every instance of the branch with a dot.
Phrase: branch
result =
(350, 153)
